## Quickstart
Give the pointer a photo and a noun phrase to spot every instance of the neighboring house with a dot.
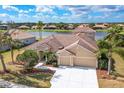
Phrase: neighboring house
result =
(23, 27)
(3, 27)
(86, 30)
(70, 27)
(121, 25)
(34, 27)
(78, 49)
(4, 47)
(100, 26)
(24, 37)
(49, 27)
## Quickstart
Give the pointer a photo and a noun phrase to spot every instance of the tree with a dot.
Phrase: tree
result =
(29, 57)
(50, 57)
(91, 25)
(2, 39)
(40, 26)
(112, 38)
(11, 24)
(12, 44)
(0, 22)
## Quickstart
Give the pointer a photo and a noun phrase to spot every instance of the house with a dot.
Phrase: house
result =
(34, 27)
(100, 26)
(78, 49)
(4, 47)
(3, 27)
(121, 25)
(86, 30)
(23, 27)
(70, 27)
(24, 37)
(49, 27)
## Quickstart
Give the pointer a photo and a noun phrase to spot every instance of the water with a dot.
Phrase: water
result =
(99, 35)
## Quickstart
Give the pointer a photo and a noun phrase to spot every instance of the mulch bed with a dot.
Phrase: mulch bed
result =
(36, 71)
(15, 63)
(102, 74)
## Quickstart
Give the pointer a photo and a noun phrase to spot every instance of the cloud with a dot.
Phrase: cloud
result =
(23, 11)
(4, 15)
(9, 8)
(43, 9)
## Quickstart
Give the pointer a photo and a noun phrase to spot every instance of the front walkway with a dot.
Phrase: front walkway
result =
(74, 77)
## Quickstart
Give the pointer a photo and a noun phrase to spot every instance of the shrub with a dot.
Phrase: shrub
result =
(103, 59)
(29, 57)
(51, 58)
(102, 44)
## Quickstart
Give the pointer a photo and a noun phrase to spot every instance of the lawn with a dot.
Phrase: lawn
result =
(118, 82)
(40, 79)
(7, 59)
(105, 83)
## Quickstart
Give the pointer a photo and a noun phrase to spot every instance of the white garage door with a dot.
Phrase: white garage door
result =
(85, 61)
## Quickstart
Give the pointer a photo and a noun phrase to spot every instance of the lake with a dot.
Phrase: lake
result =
(99, 35)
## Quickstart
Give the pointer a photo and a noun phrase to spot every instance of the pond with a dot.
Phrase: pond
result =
(99, 35)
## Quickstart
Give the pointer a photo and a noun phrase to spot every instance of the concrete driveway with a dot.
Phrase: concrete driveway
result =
(74, 77)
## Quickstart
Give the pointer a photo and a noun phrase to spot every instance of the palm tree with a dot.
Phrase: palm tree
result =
(2, 38)
(40, 26)
(112, 38)
(12, 43)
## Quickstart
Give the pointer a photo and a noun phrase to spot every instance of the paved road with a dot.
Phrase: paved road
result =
(74, 77)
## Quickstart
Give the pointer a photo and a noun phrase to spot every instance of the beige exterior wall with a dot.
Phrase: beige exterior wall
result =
(83, 58)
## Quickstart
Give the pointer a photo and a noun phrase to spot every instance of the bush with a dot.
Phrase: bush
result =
(102, 44)
(51, 58)
(29, 57)
(103, 59)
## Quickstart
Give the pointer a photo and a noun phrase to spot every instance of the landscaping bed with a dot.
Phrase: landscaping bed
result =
(116, 79)
(35, 78)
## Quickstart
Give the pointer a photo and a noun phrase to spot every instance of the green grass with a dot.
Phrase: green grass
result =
(3, 30)
(7, 60)
(33, 80)
(122, 33)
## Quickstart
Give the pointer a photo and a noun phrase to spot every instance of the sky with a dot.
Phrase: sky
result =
(59, 13)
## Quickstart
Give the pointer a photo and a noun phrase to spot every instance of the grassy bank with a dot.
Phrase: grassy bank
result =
(118, 57)
(40, 80)
(7, 59)
(3, 30)
(47, 30)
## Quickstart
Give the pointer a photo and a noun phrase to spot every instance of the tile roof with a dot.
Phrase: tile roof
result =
(83, 29)
(58, 42)
(17, 34)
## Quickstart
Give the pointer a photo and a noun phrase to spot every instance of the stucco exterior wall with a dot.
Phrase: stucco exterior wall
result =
(83, 57)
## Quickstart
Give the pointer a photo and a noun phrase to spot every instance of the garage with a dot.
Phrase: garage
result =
(85, 61)
(78, 61)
